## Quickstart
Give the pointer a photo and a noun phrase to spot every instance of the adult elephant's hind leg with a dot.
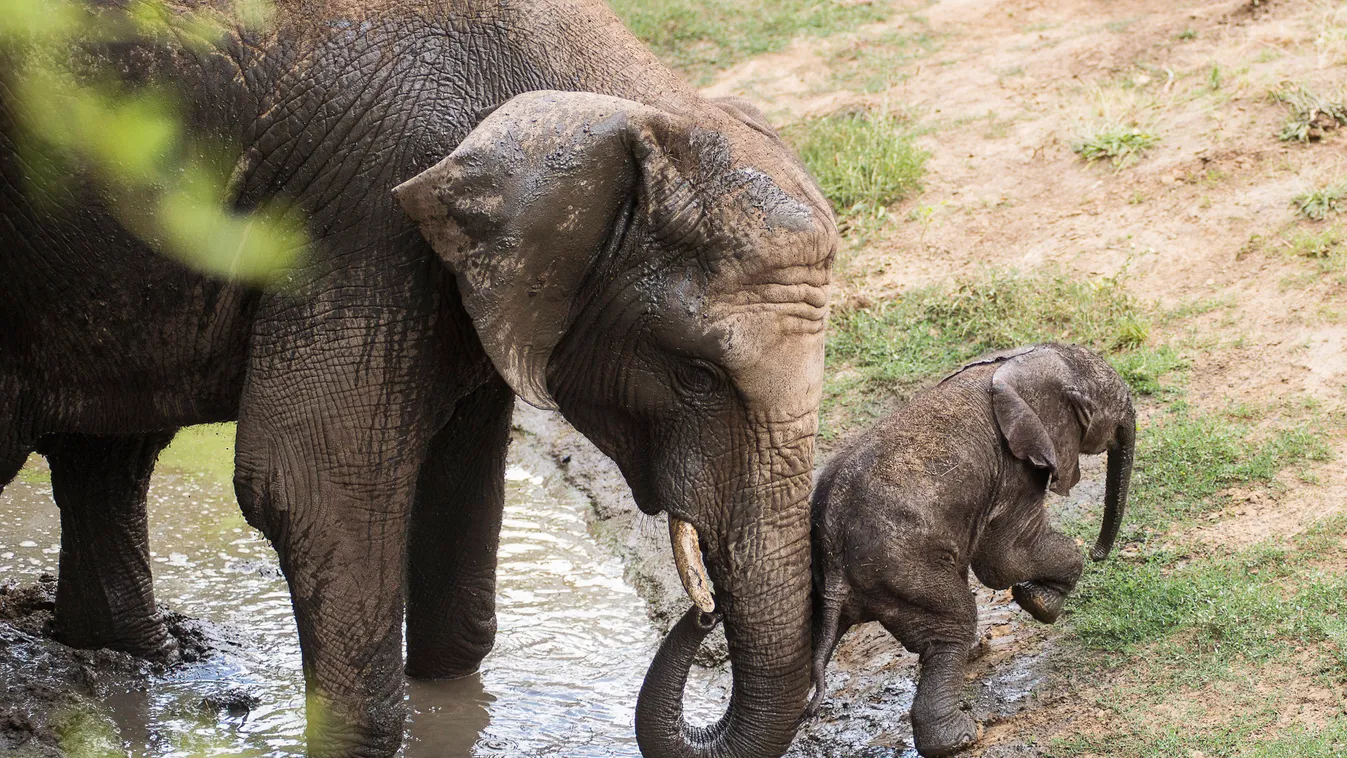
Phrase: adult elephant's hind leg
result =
(455, 530)
(104, 590)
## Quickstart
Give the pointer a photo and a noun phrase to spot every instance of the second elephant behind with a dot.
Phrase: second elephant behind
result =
(956, 479)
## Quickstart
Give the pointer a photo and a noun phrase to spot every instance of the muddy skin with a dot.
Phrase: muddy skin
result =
(956, 479)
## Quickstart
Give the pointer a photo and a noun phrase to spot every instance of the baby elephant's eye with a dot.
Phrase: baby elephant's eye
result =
(699, 378)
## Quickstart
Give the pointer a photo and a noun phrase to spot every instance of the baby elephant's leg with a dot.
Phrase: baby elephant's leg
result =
(1039, 564)
(939, 624)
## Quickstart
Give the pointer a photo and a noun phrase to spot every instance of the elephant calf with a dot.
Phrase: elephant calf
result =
(957, 479)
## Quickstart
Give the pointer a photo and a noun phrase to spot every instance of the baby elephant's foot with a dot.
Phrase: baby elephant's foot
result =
(1043, 603)
(946, 734)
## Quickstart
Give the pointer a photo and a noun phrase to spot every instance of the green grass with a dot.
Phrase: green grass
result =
(882, 352)
(1325, 245)
(1177, 621)
(876, 64)
(1310, 114)
(1246, 736)
(1318, 204)
(1184, 462)
(207, 449)
(701, 37)
(863, 161)
(1244, 608)
(1120, 145)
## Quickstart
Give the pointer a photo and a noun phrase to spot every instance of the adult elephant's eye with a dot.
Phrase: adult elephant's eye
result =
(699, 378)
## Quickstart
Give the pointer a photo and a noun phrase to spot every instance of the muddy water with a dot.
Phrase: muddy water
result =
(573, 644)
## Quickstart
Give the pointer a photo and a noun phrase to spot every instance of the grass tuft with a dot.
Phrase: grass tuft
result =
(701, 37)
(1185, 461)
(874, 64)
(1118, 144)
(1318, 204)
(862, 161)
(1311, 115)
(881, 352)
(1326, 248)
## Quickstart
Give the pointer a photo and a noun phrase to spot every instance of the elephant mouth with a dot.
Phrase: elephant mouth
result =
(687, 552)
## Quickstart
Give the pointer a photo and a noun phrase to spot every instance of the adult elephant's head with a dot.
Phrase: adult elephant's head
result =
(662, 279)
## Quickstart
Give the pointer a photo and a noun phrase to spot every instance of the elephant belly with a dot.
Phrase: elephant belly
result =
(100, 335)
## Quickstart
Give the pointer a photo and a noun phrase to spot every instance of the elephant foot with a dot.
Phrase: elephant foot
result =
(1043, 603)
(450, 650)
(150, 641)
(440, 671)
(362, 731)
(949, 733)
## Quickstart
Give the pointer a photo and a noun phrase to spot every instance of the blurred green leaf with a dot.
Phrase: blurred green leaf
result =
(167, 186)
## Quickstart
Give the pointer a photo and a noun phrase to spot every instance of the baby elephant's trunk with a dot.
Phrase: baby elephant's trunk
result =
(1120, 455)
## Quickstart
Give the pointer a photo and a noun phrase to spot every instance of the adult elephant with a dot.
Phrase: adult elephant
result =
(606, 242)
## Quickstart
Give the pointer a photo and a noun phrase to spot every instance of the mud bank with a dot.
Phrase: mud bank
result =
(872, 679)
(49, 698)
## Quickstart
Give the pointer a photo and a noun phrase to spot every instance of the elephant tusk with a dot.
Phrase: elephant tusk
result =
(691, 570)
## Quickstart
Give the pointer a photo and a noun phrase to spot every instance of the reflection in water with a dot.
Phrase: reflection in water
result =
(572, 648)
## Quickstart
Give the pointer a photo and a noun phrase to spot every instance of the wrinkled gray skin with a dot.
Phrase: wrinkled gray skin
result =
(956, 479)
(653, 264)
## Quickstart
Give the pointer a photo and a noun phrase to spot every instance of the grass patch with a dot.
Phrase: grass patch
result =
(1247, 736)
(701, 37)
(1186, 462)
(1317, 204)
(876, 64)
(1181, 622)
(206, 449)
(863, 161)
(1324, 245)
(1120, 145)
(1226, 609)
(884, 351)
(30, 475)
(1310, 116)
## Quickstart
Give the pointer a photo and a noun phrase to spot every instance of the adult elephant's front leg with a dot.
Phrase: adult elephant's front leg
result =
(451, 570)
(104, 591)
(328, 475)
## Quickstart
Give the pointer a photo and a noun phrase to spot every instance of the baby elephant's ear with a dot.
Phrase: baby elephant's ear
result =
(1031, 397)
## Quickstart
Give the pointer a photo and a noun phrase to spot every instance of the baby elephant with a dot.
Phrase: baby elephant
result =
(957, 478)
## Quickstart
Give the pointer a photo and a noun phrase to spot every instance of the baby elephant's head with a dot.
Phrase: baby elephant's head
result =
(1054, 402)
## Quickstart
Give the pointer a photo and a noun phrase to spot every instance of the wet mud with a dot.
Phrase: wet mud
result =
(586, 591)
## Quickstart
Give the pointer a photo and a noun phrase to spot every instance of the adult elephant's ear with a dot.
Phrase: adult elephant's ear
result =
(1035, 402)
(524, 206)
(746, 112)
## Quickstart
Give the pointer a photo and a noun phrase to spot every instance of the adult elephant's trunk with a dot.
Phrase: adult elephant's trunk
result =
(766, 617)
(1120, 457)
